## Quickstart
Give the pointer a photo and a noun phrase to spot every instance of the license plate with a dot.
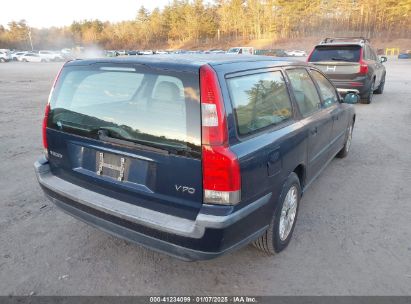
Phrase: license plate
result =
(114, 164)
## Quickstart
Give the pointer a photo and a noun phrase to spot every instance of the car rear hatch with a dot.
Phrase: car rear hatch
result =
(341, 63)
(129, 131)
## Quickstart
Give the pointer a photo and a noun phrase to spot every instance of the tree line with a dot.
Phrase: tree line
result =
(198, 22)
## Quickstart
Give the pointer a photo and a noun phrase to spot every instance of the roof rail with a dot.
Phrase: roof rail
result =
(347, 39)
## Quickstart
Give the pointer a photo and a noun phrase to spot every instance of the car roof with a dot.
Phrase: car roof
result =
(191, 61)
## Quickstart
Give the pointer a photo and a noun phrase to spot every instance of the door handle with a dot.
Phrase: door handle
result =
(314, 131)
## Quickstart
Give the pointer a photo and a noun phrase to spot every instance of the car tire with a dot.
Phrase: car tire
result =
(347, 144)
(380, 88)
(279, 233)
(367, 98)
(2, 60)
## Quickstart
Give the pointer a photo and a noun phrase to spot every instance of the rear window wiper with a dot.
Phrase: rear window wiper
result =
(121, 137)
(340, 59)
(111, 134)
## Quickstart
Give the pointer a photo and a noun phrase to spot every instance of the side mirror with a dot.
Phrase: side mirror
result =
(383, 59)
(351, 98)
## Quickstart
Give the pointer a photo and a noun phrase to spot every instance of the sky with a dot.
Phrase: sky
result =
(47, 13)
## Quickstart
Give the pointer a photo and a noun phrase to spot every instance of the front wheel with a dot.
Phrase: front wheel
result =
(279, 233)
(2, 60)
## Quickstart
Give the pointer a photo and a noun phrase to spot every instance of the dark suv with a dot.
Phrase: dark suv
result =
(191, 155)
(352, 64)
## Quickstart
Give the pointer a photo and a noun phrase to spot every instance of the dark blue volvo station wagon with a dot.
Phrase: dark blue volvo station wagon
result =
(193, 156)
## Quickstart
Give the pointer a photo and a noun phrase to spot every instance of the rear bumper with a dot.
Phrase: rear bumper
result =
(359, 85)
(206, 237)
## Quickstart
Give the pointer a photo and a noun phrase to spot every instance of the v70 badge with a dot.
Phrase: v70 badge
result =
(185, 189)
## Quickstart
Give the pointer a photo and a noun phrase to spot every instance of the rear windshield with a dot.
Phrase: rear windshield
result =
(142, 106)
(349, 53)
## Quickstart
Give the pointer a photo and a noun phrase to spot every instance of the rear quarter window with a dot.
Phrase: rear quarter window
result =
(259, 101)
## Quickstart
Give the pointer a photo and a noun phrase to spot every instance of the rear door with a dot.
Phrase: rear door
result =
(341, 63)
(317, 120)
(131, 132)
(268, 138)
(330, 102)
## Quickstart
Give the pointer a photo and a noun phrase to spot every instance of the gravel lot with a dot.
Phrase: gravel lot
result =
(353, 235)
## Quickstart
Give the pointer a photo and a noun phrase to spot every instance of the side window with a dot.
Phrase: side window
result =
(329, 96)
(367, 53)
(304, 91)
(373, 54)
(259, 101)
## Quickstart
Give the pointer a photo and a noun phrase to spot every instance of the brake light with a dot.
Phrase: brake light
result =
(44, 129)
(46, 115)
(221, 170)
(363, 64)
(363, 68)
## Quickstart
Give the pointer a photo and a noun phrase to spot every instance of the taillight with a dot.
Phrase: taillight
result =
(221, 170)
(363, 64)
(44, 129)
(363, 68)
(46, 115)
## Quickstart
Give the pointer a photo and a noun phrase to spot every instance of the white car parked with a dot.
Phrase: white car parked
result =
(241, 50)
(296, 53)
(32, 57)
(50, 55)
(5, 55)
(147, 52)
(17, 56)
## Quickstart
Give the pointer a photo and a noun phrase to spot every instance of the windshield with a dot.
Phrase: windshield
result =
(349, 53)
(140, 106)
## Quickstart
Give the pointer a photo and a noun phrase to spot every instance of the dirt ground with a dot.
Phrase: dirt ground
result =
(353, 235)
